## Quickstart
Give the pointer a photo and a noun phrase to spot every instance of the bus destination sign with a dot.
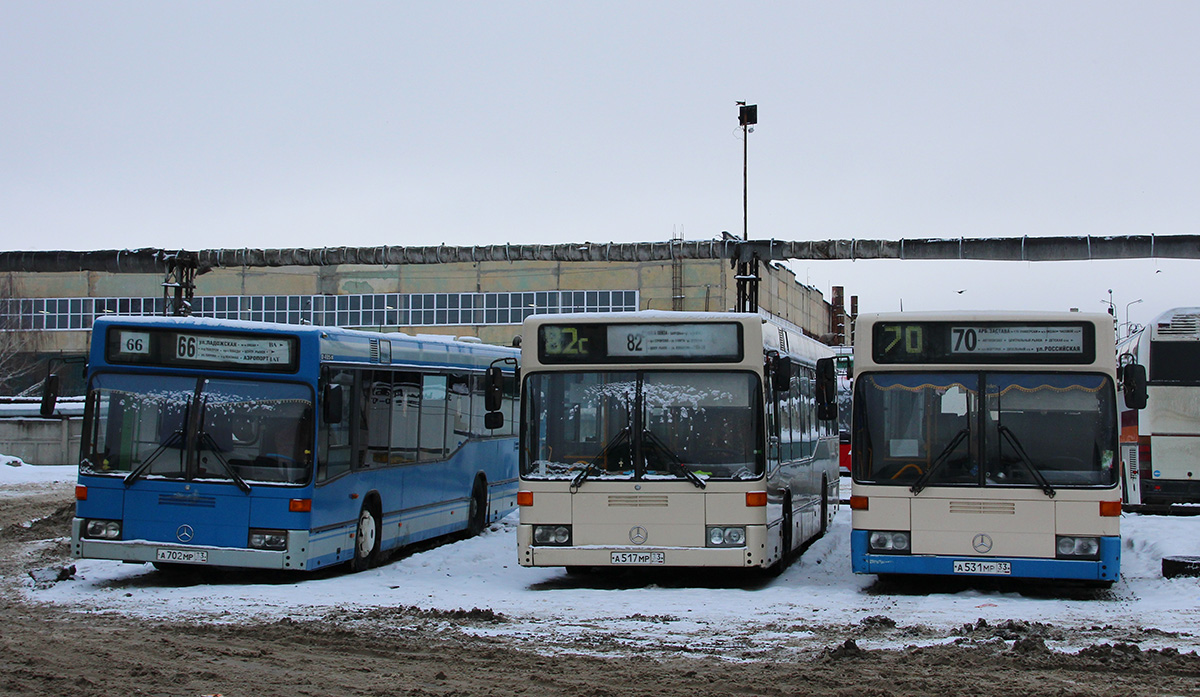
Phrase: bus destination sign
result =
(156, 346)
(984, 342)
(231, 349)
(1020, 339)
(719, 342)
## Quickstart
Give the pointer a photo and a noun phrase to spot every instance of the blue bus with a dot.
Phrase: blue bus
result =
(270, 446)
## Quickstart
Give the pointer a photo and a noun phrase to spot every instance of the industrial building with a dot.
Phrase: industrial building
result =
(49, 299)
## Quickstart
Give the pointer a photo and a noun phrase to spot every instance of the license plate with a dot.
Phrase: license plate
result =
(639, 558)
(182, 556)
(994, 568)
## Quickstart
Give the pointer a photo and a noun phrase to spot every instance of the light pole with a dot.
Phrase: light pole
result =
(747, 117)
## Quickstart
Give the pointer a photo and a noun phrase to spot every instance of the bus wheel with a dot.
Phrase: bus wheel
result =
(478, 515)
(366, 540)
(785, 539)
(824, 506)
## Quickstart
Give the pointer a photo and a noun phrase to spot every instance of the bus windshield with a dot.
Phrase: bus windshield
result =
(1048, 430)
(642, 425)
(208, 428)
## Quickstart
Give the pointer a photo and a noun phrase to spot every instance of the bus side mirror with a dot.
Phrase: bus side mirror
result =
(781, 373)
(493, 420)
(493, 390)
(49, 395)
(826, 392)
(333, 404)
(1133, 379)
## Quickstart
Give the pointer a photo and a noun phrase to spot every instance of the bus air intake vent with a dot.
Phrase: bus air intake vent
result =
(1180, 325)
(637, 500)
(374, 350)
(187, 500)
(984, 507)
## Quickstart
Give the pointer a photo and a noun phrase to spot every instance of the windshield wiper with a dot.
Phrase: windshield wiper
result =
(1011, 437)
(237, 478)
(672, 459)
(938, 461)
(172, 440)
(580, 478)
(206, 439)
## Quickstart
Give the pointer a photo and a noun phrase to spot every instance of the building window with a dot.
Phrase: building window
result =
(367, 310)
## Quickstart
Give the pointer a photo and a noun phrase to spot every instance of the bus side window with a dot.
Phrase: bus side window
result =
(808, 388)
(334, 447)
(377, 396)
(512, 416)
(789, 427)
(433, 417)
(478, 386)
(406, 416)
(458, 408)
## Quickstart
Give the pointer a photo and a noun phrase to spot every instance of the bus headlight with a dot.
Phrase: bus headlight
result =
(558, 535)
(102, 529)
(726, 536)
(884, 542)
(268, 539)
(1078, 547)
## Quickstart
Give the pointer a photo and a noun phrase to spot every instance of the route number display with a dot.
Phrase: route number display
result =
(984, 342)
(170, 347)
(717, 342)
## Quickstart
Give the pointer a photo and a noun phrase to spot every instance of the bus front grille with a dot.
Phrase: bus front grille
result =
(984, 507)
(637, 500)
(187, 500)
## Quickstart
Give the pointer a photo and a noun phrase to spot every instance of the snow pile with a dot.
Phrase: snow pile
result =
(818, 599)
(19, 472)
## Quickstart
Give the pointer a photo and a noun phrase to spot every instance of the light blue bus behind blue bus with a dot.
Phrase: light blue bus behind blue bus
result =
(240, 444)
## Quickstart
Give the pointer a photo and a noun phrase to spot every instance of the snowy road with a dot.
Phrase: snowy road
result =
(733, 615)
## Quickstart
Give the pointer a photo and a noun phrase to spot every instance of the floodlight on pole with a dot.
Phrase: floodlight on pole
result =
(747, 117)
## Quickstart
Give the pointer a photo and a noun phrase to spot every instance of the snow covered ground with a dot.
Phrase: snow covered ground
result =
(817, 598)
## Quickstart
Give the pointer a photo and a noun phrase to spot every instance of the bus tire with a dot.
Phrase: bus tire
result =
(824, 506)
(477, 517)
(785, 539)
(366, 539)
(1179, 566)
(785, 535)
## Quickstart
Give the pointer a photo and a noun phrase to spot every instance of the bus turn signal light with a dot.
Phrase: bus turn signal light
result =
(300, 505)
(756, 498)
(524, 498)
(1110, 509)
(860, 503)
(81, 493)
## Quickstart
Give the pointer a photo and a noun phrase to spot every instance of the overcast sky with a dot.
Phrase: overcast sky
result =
(272, 124)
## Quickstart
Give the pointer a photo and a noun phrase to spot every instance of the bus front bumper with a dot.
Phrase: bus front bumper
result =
(752, 554)
(1106, 569)
(147, 551)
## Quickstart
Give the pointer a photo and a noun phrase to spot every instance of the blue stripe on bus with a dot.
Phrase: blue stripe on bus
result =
(1107, 568)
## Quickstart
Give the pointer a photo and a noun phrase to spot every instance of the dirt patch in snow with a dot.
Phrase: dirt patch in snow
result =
(53, 650)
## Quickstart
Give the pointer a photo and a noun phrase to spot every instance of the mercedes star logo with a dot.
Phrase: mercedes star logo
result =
(982, 543)
(638, 535)
(185, 533)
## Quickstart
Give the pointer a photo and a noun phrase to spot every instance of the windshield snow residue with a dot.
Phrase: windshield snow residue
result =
(625, 425)
(235, 429)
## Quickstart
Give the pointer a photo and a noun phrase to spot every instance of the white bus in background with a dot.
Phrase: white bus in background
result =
(658, 439)
(985, 444)
(1160, 445)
